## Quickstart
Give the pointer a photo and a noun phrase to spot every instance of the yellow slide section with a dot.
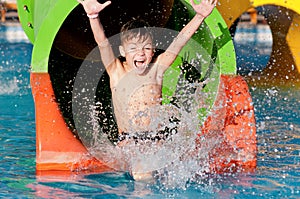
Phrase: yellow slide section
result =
(285, 26)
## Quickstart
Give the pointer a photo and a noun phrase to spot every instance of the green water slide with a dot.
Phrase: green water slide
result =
(43, 19)
(61, 37)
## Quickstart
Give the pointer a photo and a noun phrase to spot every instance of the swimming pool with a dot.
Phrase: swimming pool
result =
(277, 176)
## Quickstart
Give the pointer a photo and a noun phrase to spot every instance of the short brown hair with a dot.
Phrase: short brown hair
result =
(135, 28)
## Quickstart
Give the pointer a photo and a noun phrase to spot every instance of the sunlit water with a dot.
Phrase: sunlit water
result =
(277, 176)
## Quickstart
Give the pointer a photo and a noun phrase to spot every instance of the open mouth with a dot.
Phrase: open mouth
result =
(139, 63)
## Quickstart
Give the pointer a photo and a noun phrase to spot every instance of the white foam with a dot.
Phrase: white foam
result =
(9, 87)
(172, 162)
(13, 34)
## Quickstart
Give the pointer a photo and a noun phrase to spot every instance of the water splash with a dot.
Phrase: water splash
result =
(9, 87)
(166, 159)
(173, 161)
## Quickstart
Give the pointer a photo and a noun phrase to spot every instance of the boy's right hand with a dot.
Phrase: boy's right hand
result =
(93, 7)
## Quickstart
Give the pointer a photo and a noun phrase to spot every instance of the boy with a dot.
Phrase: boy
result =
(136, 83)
(131, 105)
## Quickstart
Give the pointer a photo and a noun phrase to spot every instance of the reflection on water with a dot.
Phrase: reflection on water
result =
(278, 122)
(17, 125)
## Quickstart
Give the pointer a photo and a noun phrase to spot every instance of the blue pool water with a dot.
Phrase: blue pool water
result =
(278, 129)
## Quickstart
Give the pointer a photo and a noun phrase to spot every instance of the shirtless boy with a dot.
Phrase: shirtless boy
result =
(136, 83)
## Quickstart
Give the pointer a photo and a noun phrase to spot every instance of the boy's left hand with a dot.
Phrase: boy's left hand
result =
(205, 7)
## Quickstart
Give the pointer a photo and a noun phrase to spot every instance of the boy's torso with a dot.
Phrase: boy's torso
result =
(133, 96)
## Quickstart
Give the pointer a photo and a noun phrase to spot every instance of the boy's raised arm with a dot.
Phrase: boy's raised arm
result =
(202, 10)
(92, 9)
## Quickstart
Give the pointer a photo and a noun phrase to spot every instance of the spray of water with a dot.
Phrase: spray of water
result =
(172, 159)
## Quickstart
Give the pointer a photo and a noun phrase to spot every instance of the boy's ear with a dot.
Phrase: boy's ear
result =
(122, 51)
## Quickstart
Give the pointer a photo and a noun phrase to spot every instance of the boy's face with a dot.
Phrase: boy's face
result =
(138, 53)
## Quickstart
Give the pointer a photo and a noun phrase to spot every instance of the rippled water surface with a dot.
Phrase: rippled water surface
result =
(278, 133)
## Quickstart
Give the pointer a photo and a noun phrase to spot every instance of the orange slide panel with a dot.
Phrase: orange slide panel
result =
(56, 146)
(57, 149)
(233, 120)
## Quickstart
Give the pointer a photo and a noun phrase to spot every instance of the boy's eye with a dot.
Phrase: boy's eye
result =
(132, 48)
